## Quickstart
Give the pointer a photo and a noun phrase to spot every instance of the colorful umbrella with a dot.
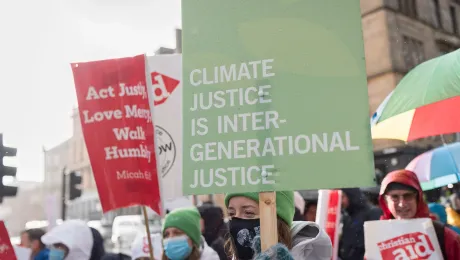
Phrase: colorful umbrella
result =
(438, 167)
(425, 103)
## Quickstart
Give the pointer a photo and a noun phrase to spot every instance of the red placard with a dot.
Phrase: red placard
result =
(333, 219)
(6, 249)
(118, 130)
(332, 213)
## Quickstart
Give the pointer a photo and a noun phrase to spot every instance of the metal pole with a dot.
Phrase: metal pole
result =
(64, 194)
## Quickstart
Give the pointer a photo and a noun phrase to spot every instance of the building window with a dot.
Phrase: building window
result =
(413, 52)
(453, 17)
(445, 48)
(437, 12)
(408, 7)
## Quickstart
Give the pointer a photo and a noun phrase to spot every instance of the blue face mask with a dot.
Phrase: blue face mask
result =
(177, 248)
(56, 254)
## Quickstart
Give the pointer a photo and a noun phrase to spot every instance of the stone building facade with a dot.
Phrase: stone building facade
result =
(398, 35)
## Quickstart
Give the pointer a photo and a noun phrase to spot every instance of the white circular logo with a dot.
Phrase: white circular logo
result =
(166, 150)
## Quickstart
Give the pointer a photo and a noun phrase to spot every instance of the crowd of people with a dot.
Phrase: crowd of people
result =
(203, 233)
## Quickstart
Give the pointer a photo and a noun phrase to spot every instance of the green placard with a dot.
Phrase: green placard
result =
(275, 96)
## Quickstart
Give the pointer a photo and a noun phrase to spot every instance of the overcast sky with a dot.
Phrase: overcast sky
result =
(39, 38)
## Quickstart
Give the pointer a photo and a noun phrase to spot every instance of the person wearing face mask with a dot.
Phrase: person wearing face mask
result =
(401, 197)
(182, 238)
(298, 240)
(72, 240)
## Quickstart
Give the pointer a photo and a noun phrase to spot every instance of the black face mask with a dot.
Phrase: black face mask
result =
(243, 232)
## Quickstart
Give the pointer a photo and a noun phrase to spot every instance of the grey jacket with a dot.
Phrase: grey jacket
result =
(310, 242)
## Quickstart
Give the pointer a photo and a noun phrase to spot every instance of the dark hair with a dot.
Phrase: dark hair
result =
(36, 234)
(433, 196)
(297, 215)
(310, 203)
(284, 237)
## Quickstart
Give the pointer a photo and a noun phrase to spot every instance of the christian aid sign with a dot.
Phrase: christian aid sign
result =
(409, 246)
(401, 240)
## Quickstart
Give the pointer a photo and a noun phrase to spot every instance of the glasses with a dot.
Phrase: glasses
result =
(406, 197)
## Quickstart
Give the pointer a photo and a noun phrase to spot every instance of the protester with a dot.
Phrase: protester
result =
(182, 237)
(439, 212)
(98, 250)
(310, 210)
(24, 239)
(433, 195)
(401, 197)
(297, 240)
(72, 240)
(453, 212)
(214, 228)
(356, 210)
(372, 195)
(33, 238)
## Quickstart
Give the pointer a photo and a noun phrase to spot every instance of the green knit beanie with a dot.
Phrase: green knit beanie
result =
(187, 220)
(285, 208)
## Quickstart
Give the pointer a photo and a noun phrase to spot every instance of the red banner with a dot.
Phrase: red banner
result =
(6, 249)
(118, 130)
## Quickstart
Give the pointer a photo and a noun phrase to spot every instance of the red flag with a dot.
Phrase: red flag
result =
(116, 122)
(6, 249)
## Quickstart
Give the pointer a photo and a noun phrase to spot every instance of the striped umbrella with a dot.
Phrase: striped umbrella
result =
(438, 167)
(425, 103)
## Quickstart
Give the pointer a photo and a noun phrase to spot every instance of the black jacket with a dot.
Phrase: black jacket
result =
(120, 256)
(359, 210)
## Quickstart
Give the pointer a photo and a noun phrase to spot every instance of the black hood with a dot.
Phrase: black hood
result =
(213, 217)
(357, 200)
(98, 250)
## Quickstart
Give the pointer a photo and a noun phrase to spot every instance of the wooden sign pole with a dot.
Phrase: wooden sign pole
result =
(268, 220)
(149, 238)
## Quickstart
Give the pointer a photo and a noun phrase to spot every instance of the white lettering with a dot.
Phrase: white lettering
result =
(233, 176)
(113, 152)
(101, 94)
(273, 146)
(232, 72)
(135, 112)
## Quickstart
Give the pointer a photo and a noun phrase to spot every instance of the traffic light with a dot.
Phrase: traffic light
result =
(5, 190)
(74, 185)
